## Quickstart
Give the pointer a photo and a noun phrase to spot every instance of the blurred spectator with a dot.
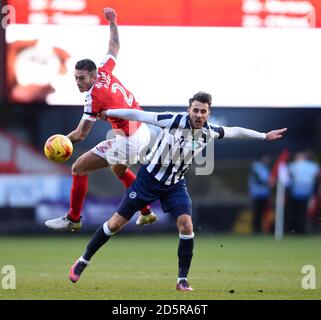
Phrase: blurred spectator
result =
(303, 173)
(259, 189)
(314, 208)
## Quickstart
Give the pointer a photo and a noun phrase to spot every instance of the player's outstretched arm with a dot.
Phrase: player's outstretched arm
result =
(275, 134)
(243, 133)
(130, 114)
(113, 46)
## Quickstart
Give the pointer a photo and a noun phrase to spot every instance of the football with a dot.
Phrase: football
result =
(58, 148)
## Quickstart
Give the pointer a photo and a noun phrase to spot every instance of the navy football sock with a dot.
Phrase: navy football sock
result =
(98, 240)
(185, 254)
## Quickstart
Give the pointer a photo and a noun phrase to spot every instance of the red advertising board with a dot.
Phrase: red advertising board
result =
(217, 13)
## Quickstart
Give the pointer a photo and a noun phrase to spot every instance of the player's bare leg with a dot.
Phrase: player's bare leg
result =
(185, 251)
(128, 177)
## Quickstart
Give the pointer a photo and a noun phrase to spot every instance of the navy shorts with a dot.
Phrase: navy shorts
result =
(146, 190)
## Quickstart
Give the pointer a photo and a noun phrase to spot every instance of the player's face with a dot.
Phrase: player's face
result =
(198, 113)
(84, 79)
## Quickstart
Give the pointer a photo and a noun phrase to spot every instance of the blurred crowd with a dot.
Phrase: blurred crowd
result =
(301, 178)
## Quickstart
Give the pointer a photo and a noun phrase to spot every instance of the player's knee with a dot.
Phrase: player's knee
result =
(185, 226)
(77, 168)
(119, 169)
(110, 228)
(114, 226)
(116, 222)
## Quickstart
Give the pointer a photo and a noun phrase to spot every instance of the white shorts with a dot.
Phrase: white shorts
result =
(124, 150)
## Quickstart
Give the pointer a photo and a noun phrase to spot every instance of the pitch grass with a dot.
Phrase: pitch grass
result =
(145, 267)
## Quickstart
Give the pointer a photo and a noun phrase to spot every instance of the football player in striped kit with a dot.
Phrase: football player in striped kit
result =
(183, 137)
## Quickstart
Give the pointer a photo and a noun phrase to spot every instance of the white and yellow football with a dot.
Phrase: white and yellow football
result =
(58, 148)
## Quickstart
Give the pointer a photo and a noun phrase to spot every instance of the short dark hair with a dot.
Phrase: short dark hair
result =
(201, 97)
(86, 64)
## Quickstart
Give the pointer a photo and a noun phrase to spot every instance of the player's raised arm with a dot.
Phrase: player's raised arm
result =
(81, 132)
(243, 133)
(113, 46)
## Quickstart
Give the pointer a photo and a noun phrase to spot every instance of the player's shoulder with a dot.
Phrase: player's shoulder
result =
(99, 86)
(94, 94)
(103, 72)
(180, 120)
(183, 114)
(170, 115)
(176, 114)
(213, 126)
(107, 64)
(109, 58)
(216, 129)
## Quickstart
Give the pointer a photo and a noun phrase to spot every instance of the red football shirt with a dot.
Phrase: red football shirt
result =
(108, 93)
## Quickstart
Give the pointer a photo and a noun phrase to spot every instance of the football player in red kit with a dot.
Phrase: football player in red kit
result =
(104, 91)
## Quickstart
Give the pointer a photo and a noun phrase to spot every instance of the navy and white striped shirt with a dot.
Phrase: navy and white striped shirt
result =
(178, 144)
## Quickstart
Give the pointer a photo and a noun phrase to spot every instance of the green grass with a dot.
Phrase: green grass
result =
(145, 267)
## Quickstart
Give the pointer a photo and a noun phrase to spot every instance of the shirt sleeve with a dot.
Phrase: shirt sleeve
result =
(218, 131)
(242, 133)
(108, 63)
(90, 108)
(164, 119)
(154, 118)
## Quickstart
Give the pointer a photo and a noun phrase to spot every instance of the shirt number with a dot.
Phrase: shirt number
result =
(129, 100)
